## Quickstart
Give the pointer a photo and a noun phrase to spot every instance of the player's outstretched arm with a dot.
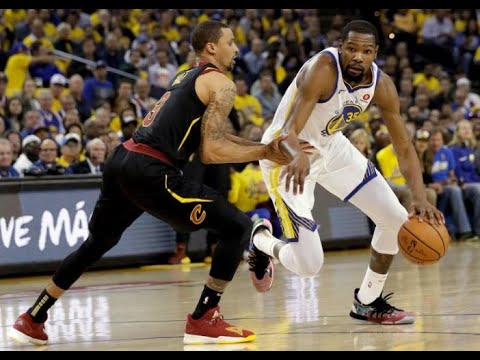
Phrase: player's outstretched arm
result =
(217, 146)
(386, 97)
(315, 81)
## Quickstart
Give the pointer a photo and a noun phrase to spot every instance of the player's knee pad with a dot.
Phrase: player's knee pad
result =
(304, 257)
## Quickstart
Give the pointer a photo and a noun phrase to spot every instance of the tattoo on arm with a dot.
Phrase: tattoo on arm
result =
(241, 141)
(214, 122)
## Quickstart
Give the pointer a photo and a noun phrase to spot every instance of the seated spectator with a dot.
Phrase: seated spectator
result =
(95, 158)
(390, 169)
(161, 73)
(76, 85)
(58, 88)
(111, 139)
(463, 148)
(30, 149)
(2, 126)
(42, 132)
(473, 99)
(425, 157)
(16, 140)
(444, 182)
(3, 96)
(129, 124)
(14, 113)
(6, 168)
(28, 96)
(361, 140)
(141, 98)
(247, 103)
(71, 150)
(98, 89)
(47, 161)
(49, 118)
(89, 52)
(268, 95)
(71, 117)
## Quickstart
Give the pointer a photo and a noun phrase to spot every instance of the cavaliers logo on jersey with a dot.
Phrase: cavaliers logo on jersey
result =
(339, 122)
(198, 215)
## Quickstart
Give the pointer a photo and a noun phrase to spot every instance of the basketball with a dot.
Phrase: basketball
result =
(423, 243)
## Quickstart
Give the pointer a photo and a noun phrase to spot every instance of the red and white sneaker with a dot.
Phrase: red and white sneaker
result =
(212, 329)
(380, 312)
(25, 331)
(261, 269)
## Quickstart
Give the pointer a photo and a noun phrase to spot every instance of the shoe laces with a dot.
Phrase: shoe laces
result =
(381, 306)
(216, 318)
(258, 262)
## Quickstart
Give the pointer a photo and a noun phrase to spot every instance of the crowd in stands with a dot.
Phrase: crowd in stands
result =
(76, 83)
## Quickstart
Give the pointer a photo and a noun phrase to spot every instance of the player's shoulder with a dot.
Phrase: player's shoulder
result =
(215, 77)
(384, 80)
(322, 61)
(214, 82)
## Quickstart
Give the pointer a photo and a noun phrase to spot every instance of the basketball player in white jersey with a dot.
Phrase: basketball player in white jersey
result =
(330, 90)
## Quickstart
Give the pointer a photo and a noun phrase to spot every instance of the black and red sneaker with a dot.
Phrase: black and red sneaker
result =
(213, 329)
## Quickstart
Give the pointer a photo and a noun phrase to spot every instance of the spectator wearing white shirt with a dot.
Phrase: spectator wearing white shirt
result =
(30, 149)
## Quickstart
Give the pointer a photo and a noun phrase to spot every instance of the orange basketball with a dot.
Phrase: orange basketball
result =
(423, 243)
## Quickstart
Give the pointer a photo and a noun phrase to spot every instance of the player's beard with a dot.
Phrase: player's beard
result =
(351, 78)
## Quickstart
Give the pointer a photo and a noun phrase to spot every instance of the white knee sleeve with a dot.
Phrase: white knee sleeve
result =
(377, 200)
(305, 257)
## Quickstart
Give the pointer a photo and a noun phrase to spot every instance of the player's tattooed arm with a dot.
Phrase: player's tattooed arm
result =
(217, 145)
(214, 122)
(241, 141)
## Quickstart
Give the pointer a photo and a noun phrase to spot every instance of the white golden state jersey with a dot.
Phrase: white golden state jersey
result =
(330, 115)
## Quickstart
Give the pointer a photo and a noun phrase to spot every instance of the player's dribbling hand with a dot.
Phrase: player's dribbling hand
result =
(423, 209)
(296, 171)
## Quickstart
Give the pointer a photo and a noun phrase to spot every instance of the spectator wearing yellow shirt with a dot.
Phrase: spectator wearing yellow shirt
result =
(71, 150)
(58, 87)
(16, 69)
(428, 79)
(190, 63)
(12, 17)
(38, 34)
(63, 43)
(166, 23)
(49, 29)
(247, 103)
(288, 19)
(77, 34)
(248, 188)
(17, 66)
(388, 162)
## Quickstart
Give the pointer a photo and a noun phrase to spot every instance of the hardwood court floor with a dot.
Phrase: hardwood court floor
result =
(145, 309)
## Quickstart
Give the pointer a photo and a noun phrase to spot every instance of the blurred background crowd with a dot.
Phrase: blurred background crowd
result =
(75, 83)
